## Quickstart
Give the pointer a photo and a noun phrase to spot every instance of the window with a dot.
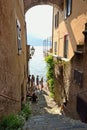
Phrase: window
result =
(19, 37)
(55, 48)
(68, 7)
(78, 77)
(82, 111)
(57, 20)
(66, 46)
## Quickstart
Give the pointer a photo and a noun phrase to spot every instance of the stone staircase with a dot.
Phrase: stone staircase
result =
(53, 122)
(45, 116)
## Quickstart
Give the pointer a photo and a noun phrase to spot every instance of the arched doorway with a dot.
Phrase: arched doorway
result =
(39, 26)
(30, 3)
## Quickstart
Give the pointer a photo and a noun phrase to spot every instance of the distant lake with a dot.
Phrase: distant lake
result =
(37, 64)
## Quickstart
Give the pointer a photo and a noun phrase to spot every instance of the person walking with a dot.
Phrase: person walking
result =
(34, 97)
(29, 79)
(32, 81)
(41, 83)
(37, 82)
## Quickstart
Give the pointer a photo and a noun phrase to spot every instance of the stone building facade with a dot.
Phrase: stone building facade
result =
(69, 50)
(14, 52)
(13, 63)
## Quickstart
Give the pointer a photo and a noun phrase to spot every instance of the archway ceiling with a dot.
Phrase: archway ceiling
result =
(30, 3)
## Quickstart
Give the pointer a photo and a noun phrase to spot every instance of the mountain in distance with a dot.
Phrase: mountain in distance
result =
(34, 41)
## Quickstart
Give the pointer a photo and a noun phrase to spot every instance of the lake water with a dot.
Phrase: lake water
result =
(37, 64)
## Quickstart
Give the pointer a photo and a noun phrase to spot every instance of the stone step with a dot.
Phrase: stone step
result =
(44, 117)
(54, 122)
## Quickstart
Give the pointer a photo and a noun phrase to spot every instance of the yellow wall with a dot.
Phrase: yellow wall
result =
(73, 25)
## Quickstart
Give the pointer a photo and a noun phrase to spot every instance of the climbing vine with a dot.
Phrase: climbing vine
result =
(50, 73)
(60, 62)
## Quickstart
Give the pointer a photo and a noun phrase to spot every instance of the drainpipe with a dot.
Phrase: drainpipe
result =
(52, 26)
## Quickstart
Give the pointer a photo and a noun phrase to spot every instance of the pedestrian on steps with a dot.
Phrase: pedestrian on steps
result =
(34, 98)
(37, 82)
(41, 84)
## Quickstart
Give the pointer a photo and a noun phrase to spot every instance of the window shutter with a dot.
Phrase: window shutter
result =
(66, 46)
(57, 20)
(69, 7)
(55, 48)
(19, 37)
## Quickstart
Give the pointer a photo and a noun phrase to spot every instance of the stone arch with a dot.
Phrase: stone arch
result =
(30, 3)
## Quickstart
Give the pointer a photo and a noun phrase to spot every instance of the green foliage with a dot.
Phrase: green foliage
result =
(11, 122)
(49, 61)
(51, 85)
(61, 62)
(26, 111)
(50, 73)
(16, 122)
(50, 67)
(52, 95)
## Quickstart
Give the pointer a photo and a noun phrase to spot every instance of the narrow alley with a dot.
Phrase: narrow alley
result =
(46, 115)
(54, 49)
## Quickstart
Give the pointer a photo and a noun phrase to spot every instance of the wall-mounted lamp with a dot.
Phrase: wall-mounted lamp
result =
(32, 50)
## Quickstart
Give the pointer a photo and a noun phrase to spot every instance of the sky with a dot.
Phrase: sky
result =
(39, 21)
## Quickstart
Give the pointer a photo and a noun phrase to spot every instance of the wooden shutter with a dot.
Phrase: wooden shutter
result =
(68, 7)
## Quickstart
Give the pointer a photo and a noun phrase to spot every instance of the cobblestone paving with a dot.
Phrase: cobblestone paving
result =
(46, 116)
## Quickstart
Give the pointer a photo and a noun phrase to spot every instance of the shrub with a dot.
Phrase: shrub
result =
(15, 122)
(50, 73)
(26, 111)
(11, 122)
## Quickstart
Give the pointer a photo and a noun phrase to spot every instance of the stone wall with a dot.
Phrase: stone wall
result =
(78, 86)
(62, 81)
(13, 67)
(72, 81)
(71, 84)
